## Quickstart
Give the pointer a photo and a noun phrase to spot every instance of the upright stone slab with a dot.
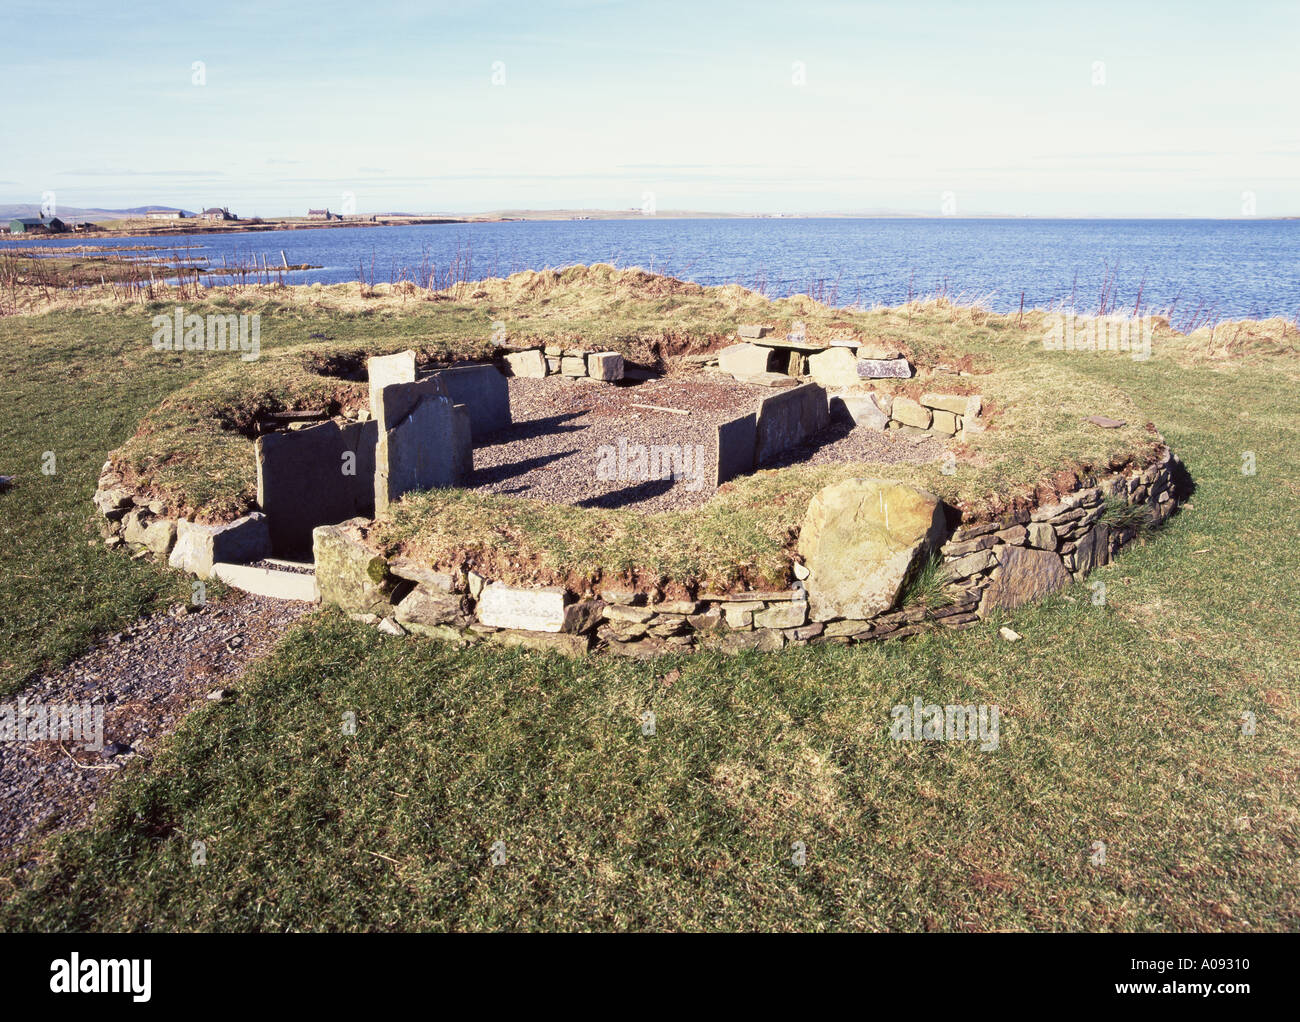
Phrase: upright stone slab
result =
(314, 476)
(422, 440)
(1022, 575)
(787, 419)
(736, 440)
(386, 369)
(483, 390)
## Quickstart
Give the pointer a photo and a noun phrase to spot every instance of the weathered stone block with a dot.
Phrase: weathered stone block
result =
(834, 367)
(782, 615)
(736, 447)
(153, 534)
(572, 365)
(421, 608)
(536, 610)
(1023, 574)
(526, 364)
(1041, 535)
(884, 368)
(863, 410)
(198, 547)
(861, 539)
(349, 573)
(910, 413)
(752, 330)
(788, 419)
(943, 423)
(566, 643)
(605, 365)
(744, 359)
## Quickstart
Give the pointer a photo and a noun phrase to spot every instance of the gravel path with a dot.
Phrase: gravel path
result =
(146, 678)
(576, 442)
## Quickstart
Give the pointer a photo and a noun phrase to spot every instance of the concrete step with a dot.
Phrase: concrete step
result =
(278, 585)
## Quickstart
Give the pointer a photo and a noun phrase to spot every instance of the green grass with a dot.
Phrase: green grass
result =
(1121, 723)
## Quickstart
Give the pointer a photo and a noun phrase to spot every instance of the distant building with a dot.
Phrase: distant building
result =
(35, 225)
(323, 214)
(165, 214)
(218, 214)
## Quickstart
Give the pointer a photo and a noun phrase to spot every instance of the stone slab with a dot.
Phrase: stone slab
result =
(534, 610)
(860, 409)
(835, 367)
(884, 369)
(422, 440)
(1023, 574)
(909, 413)
(788, 419)
(278, 585)
(198, 547)
(484, 391)
(385, 369)
(315, 476)
(736, 446)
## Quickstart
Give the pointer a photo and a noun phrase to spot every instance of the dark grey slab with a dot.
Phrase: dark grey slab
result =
(787, 419)
(736, 441)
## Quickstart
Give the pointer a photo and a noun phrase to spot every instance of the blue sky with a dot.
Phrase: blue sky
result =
(1094, 109)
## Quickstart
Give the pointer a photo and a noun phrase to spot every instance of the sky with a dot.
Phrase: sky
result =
(1026, 109)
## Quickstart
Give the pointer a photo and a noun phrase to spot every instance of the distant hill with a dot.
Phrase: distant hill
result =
(78, 213)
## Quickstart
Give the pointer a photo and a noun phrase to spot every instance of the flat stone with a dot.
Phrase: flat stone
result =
(572, 365)
(278, 585)
(483, 390)
(782, 615)
(848, 626)
(969, 546)
(884, 368)
(582, 616)
(526, 364)
(944, 423)
(198, 547)
(436, 581)
(763, 640)
(708, 621)
(424, 608)
(958, 404)
(536, 610)
(740, 615)
(1041, 535)
(383, 370)
(1105, 422)
(618, 612)
(752, 330)
(861, 539)
(744, 359)
(737, 443)
(971, 564)
(1023, 574)
(349, 573)
(1015, 535)
(863, 410)
(605, 365)
(787, 420)
(910, 413)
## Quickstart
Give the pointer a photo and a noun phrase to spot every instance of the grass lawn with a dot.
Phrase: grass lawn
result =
(1121, 721)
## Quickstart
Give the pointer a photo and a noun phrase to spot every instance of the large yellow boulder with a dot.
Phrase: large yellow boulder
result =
(861, 540)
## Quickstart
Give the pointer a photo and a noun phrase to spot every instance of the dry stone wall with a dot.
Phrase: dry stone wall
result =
(993, 565)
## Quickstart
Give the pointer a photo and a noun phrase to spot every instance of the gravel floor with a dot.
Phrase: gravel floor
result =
(567, 431)
(146, 678)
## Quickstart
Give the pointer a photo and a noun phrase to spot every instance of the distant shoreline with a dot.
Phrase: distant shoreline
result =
(193, 226)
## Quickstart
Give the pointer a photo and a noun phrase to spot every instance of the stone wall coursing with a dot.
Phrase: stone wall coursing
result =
(575, 363)
(994, 564)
